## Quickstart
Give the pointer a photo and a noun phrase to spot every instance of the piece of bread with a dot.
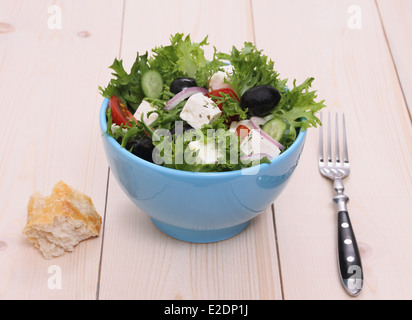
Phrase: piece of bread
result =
(57, 223)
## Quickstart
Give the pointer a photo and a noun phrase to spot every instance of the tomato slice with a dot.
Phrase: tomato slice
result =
(242, 131)
(218, 93)
(120, 113)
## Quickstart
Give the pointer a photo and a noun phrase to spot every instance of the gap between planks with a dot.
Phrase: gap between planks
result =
(408, 108)
(99, 272)
(275, 234)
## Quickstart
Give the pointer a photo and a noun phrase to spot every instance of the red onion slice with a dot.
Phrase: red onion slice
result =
(268, 137)
(186, 93)
(256, 122)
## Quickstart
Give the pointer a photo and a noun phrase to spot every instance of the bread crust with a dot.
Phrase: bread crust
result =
(57, 223)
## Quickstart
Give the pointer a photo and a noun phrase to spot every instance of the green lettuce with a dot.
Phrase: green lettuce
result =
(251, 68)
(298, 106)
(127, 86)
(205, 72)
(185, 58)
(182, 58)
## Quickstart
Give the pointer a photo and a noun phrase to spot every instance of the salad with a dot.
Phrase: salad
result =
(178, 109)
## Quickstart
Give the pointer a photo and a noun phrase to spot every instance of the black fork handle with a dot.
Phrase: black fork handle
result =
(350, 264)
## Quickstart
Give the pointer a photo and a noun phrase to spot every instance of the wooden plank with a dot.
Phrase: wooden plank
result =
(355, 74)
(226, 23)
(139, 262)
(50, 132)
(397, 24)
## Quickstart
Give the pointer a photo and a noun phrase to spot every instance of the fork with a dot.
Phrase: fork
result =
(336, 169)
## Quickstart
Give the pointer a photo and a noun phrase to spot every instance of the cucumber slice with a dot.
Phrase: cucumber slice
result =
(152, 84)
(277, 128)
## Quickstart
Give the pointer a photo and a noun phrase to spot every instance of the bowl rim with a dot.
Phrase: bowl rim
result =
(103, 127)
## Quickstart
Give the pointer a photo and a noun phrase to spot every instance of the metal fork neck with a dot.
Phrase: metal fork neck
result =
(340, 198)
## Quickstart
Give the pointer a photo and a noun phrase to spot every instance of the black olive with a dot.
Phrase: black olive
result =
(260, 100)
(142, 147)
(180, 84)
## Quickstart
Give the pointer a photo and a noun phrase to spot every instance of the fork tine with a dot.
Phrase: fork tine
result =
(345, 146)
(329, 143)
(337, 153)
(321, 139)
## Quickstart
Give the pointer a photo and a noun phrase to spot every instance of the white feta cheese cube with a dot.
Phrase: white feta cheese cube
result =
(255, 143)
(217, 80)
(200, 110)
(208, 153)
(143, 109)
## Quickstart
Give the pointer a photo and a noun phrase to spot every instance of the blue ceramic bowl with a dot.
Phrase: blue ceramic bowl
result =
(195, 206)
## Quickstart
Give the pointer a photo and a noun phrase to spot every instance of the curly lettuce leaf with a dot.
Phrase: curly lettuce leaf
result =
(251, 68)
(127, 86)
(204, 73)
(182, 58)
(298, 106)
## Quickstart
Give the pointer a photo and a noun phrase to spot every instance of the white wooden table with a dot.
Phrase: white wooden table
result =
(53, 57)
